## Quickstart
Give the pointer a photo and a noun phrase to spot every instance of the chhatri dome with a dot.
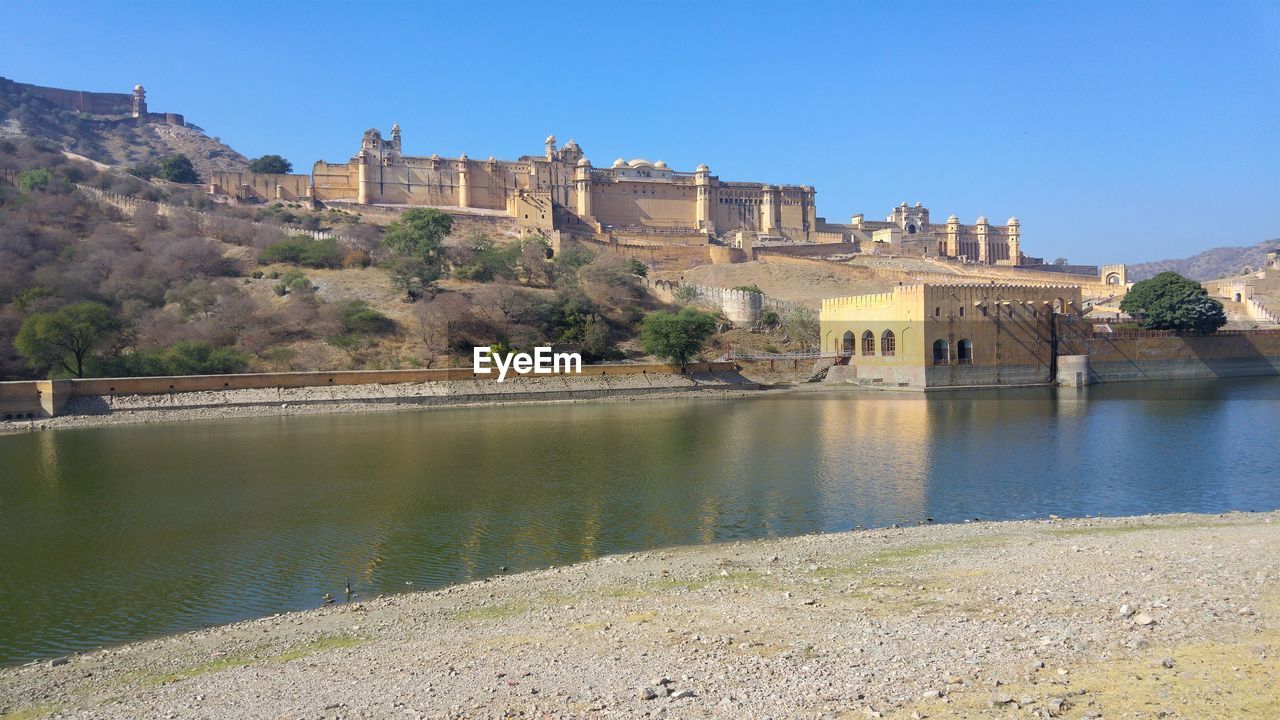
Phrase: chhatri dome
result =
(619, 163)
(1014, 221)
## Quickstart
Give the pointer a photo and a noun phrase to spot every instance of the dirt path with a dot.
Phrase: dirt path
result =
(1157, 616)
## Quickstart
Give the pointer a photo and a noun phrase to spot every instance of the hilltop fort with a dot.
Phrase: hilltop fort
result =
(639, 200)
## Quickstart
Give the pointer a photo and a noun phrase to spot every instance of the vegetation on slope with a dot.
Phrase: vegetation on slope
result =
(89, 290)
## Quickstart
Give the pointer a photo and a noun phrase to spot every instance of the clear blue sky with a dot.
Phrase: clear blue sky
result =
(1116, 131)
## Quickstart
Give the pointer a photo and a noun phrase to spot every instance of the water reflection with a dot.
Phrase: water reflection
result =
(132, 531)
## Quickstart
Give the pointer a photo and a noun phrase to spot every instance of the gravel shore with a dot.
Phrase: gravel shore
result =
(90, 411)
(1155, 616)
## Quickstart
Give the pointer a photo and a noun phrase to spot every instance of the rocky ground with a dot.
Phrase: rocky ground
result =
(1159, 616)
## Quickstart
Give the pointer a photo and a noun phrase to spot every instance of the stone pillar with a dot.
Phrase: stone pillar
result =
(984, 229)
(362, 192)
(702, 214)
(1015, 241)
(583, 182)
(464, 183)
(953, 236)
(768, 208)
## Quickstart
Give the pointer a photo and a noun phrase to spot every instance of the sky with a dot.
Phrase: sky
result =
(1115, 131)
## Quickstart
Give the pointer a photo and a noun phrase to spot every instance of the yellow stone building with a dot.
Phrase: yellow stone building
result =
(932, 336)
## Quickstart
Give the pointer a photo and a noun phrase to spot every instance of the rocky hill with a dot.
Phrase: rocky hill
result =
(1210, 264)
(114, 140)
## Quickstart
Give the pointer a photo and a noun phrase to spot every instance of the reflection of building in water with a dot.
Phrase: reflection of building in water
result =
(926, 336)
(875, 453)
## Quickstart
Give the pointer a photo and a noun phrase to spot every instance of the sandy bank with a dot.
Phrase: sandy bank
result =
(96, 410)
(1157, 616)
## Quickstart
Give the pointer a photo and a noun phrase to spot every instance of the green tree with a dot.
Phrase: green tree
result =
(420, 233)
(359, 318)
(271, 164)
(676, 336)
(801, 325)
(34, 179)
(413, 276)
(292, 281)
(178, 168)
(1170, 301)
(636, 267)
(65, 338)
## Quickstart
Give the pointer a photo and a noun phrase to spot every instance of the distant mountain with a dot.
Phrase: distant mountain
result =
(1210, 264)
(116, 140)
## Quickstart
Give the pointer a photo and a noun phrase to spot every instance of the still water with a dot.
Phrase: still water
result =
(115, 534)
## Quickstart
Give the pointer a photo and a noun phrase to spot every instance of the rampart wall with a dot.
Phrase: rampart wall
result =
(1125, 356)
(46, 398)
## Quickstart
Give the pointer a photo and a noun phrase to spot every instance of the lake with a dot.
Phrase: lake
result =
(121, 533)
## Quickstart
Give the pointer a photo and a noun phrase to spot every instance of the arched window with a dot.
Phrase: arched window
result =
(961, 311)
(937, 312)
(911, 229)
(941, 352)
(846, 347)
(1237, 297)
(868, 343)
(888, 343)
(964, 351)
(984, 311)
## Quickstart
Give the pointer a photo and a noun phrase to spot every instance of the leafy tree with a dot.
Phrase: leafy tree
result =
(65, 338)
(487, 261)
(30, 296)
(595, 340)
(184, 357)
(420, 233)
(178, 168)
(1170, 301)
(34, 179)
(801, 325)
(753, 288)
(292, 281)
(302, 250)
(271, 164)
(636, 267)
(676, 336)
(358, 317)
(413, 276)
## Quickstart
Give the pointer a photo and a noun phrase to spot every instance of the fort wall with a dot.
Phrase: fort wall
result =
(740, 307)
(46, 398)
(1127, 356)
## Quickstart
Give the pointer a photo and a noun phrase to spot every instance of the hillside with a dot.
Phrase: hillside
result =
(168, 290)
(1210, 264)
(109, 139)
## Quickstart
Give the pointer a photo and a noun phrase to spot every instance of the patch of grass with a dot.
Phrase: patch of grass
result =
(641, 617)
(31, 713)
(246, 659)
(311, 647)
(491, 612)
(1122, 529)
(624, 591)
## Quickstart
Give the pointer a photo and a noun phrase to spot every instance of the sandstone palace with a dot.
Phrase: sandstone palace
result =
(639, 200)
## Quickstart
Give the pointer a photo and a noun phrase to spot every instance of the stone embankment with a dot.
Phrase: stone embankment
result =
(1159, 616)
(88, 410)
